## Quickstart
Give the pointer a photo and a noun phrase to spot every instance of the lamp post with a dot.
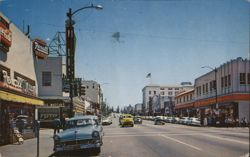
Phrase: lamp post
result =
(70, 50)
(215, 84)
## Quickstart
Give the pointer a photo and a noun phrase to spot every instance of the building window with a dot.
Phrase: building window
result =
(211, 86)
(46, 78)
(248, 78)
(149, 92)
(170, 93)
(199, 90)
(242, 78)
(154, 92)
(206, 87)
(214, 84)
(176, 93)
(222, 82)
(162, 93)
(191, 97)
(203, 89)
(229, 80)
(176, 89)
(170, 88)
(162, 88)
(226, 81)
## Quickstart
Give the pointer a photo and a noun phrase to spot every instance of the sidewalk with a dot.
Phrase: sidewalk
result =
(29, 148)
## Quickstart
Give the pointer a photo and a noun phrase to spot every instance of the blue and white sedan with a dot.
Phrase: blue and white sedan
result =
(80, 132)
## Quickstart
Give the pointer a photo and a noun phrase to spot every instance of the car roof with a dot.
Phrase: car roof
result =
(83, 117)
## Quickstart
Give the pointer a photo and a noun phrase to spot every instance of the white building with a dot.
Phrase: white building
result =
(138, 108)
(156, 98)
(233, 88)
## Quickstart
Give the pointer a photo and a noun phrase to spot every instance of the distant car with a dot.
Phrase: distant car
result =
(194, 121)
(137, 120)
(81, 132)
(106, 121)
(184, 120)
(127, 120)
(176, 120)
(158, 121)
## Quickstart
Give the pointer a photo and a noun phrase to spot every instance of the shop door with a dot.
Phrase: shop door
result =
(4, 125)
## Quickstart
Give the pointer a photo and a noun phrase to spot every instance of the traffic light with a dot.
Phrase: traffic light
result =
(82, 90)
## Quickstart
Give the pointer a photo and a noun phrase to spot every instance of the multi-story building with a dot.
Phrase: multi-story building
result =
(184, 104)
(228, 95)
(49, 76)
(160, 99)
(93, 94)
(18, 81)
(138, 109)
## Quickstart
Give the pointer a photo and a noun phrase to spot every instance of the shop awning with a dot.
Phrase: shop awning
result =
(18, 98)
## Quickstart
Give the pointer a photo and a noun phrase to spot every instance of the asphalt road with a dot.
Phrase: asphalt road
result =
(148, 140)
(173, 140)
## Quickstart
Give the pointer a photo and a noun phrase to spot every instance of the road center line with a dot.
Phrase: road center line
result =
(226, 139)
(173, 139)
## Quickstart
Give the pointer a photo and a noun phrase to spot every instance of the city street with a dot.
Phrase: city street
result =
(172, 140)
(150, 140)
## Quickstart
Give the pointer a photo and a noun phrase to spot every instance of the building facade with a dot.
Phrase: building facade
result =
(159, 100)
(228, 95)
(18, 82)
(93, 94)
(184, 104)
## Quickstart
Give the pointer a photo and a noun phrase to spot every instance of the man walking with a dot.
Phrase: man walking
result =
(56, 125)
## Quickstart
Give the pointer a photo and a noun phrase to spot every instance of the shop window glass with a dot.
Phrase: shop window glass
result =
(242, 78)
(46, 78)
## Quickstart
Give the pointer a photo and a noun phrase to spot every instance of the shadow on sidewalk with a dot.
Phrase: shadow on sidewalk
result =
(78, 153)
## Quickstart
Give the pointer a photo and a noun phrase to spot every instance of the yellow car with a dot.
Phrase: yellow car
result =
(127, 119)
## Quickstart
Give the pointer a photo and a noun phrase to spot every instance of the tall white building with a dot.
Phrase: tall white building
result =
(156, 98)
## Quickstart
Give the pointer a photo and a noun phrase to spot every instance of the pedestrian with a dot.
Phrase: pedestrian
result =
(63, 121)
(56, 125)
(243, 122)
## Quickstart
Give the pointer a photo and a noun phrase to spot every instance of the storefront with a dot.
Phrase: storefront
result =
(14, 107)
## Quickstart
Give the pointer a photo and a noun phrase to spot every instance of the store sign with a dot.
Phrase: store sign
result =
(40, 48)
(18, 84)
(5, 35)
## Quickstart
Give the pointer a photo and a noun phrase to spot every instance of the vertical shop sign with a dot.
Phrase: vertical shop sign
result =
(5, 35)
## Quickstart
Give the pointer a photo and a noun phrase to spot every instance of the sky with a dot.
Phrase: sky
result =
(171, 39)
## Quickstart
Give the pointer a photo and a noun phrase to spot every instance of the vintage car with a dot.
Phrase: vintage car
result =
(106, 121)
(158, 121)
(137, 120)
(80, 132)
(127, 119)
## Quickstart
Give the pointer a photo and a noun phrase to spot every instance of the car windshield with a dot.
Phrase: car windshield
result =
(78, 123)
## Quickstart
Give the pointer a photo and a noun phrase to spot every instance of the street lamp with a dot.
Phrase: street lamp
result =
(70, 50)
(215, 85)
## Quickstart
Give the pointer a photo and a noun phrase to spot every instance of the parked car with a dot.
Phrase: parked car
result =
(137, 120)
(82, 132)
(169, 120)
(106, 121)
(126, 120)
(184, 120)
(194, 121)
(176, 120)
(158, 121)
